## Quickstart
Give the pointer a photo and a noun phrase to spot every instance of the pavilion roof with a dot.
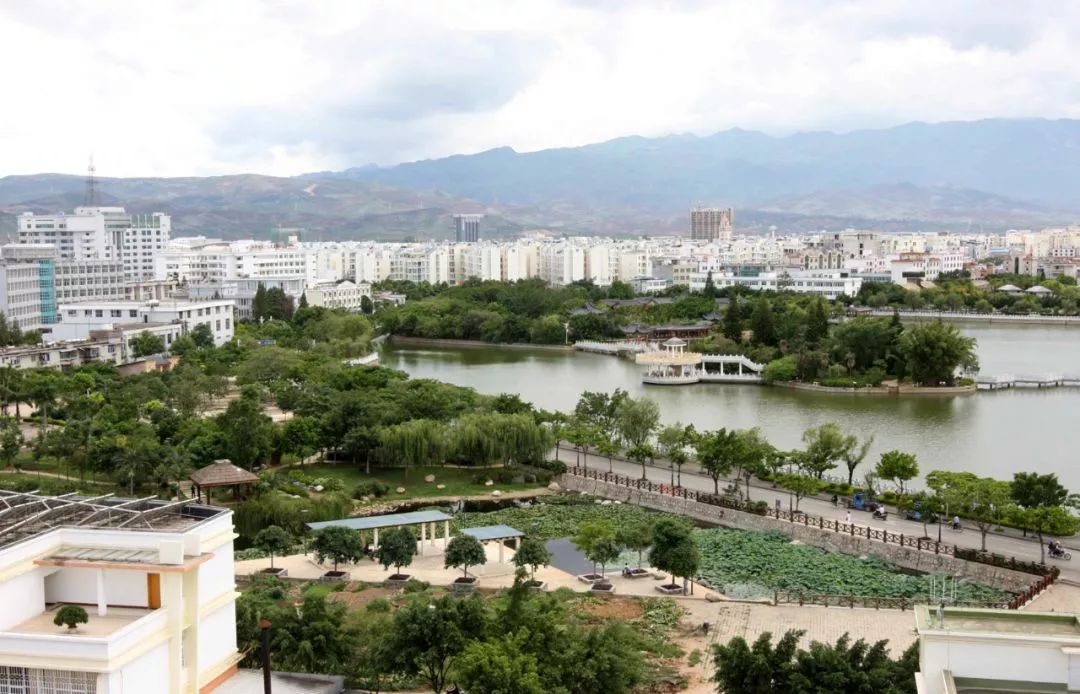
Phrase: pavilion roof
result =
(392, 520)
(493, 532)
(222, 473)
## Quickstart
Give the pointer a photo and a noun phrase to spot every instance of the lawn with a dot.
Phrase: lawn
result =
(458, 481)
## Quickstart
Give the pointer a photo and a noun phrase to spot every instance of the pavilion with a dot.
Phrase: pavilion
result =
(496, 533)
(425, 519)
(220, 473)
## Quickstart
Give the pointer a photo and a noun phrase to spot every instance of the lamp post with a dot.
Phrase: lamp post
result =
(566, 339)
(264, 648)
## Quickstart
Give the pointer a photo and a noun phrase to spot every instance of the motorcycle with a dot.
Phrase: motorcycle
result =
(880, 513)
(1062, 554)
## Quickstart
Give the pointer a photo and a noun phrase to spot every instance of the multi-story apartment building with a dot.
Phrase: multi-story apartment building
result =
(27, 278)
(156, 578)
(344, 294)
(561, 264)
(90, 280)
(711, 223)
(146, 236)
(467, 227)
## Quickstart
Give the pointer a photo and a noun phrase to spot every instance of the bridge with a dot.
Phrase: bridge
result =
(984, 382)
(615, 347)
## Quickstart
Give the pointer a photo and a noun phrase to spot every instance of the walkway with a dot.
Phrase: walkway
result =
(1009, 546)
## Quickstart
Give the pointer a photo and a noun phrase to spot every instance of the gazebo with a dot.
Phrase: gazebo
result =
(496, 533)
(425, 519)
(220, 473)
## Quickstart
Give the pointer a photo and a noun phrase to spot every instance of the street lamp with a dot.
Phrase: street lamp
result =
(566, 339)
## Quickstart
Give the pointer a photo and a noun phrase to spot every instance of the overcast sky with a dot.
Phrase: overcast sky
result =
(185, 87)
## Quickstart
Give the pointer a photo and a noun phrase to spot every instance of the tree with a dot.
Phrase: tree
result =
(854, 455)
(247, 431)
(397, 547)
(603, 552)
(636, 420)
(781, 370)
(717, 452)
(672, 442)
(762, 322)
(428, 637)
(201, 335)
(71, 616)
(899, 467)
(533, 554)
(11, 442)
(607, 447)
(146, 343)
(798, 485)
(274, 540)
(462, 552)
(673, 548)
(824, 446)
(640, 454)
(817, 321)
(367, 307)
(934, 351)
(40, 387)
(751, 453)
(1046, 520)
(498, 667)
(338, 544)
(985, 501)
(732, 320)
(635, 535)
(303, 300)
(762, 669)
(260, 307)
(709, 290)
(592, 533)
(312, 638)
(1030, 489)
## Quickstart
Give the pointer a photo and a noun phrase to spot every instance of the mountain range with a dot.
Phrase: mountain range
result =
(994, 174)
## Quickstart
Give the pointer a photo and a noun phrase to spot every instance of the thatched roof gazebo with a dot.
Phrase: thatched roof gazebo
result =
(220, 473)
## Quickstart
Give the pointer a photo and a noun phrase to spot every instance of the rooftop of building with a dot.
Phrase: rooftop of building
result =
(24, 515)
(251, 682)
(1055, 625)
(98, 625)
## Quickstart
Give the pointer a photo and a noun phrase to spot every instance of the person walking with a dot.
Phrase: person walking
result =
(847, 518)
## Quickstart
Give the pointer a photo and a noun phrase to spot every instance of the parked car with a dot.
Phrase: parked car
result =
(916, 515)
(861, 501)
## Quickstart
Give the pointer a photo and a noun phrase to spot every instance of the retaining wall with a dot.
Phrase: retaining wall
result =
(909, 558)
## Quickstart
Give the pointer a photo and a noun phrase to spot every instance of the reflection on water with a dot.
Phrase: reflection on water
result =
(566, 557)
(992, 434)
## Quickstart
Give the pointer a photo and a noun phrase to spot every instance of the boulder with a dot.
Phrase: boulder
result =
(400, 490)
(440, 486)
(489, 483)
(554, 486)
(318, 487)
(713, 597)
(429, 478)
(496, 493)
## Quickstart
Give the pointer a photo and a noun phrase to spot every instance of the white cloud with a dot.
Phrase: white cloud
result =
(176, 87)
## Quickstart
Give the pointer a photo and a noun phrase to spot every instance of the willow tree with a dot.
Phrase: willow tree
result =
(416, 443)
(492, 438)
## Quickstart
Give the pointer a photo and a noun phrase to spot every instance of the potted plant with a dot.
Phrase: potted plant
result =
(397, 548)
(532, 554)
(462, 552)
(71, 616)
(589, 534)
(338, 544)
(273, 540)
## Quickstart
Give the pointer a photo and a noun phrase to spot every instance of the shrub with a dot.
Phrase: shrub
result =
(380, 605)
(416, 586)
(373, 488)
(71, 616)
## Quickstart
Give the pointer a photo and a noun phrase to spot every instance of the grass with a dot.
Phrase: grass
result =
(458, 481)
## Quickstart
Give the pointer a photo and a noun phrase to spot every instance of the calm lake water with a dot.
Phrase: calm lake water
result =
(990, 433)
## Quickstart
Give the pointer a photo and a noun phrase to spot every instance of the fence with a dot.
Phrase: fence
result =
(870, 601)
(820, 522)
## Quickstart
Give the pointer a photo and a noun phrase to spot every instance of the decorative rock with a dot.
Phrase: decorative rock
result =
(440, 486)
(496, 493)
(554, 486)
(429, 478)
(318, 487)
(400, 490)
(489, 483)
(606, 502)
(713, 597)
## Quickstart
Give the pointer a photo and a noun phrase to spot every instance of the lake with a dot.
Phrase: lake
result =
(989, 433)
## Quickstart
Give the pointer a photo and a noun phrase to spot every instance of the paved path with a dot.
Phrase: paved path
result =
(1009, 546)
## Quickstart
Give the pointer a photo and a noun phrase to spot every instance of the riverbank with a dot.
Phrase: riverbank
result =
(883, 390)
(407, 341)
(963, 317)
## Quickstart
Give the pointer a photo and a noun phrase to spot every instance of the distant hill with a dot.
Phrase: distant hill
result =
(253, 205)
(1030, 160)
(994, 174)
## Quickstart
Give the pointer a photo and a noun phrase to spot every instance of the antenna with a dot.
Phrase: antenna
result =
(91, 185)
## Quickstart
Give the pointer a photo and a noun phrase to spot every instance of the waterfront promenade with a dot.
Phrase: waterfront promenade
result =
(1008, 545)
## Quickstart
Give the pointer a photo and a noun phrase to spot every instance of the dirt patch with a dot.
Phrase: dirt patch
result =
(626, 609)
(357, 600)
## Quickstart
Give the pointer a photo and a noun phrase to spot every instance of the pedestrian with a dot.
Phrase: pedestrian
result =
(705, 627)
(778, 504)
(847, 518)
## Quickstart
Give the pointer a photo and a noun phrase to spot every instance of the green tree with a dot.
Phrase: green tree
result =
(260, 306)
(462, 552)
(934, 351)
(672, 443)
(762, 322)
(312, 638)
(854, 455)
(1046, 520)
(146, 343)
(798, 485)
(673, 548)
(825, 445)
(636, 421)
(899, 467)
(71, 616)
(498, 667)
(732, 320)
(248, 432)
(590, 534)
(41, 387)
(428, 637)
(603, 552)
(367, 307)
(397, 547)
(709, 290)
(817, 321)
(717, 453)
(273, 540)
(781, 370)
(532, 554)
(11, 442)
(635, 535)
(1031, 489)
(201, 335)
(338, 544)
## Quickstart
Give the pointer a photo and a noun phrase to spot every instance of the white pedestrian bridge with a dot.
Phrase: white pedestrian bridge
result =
(673, 365)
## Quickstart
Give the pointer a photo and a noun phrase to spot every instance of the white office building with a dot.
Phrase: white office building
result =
(26, 284)
(344, 295)
(78, 320)
(155, 577)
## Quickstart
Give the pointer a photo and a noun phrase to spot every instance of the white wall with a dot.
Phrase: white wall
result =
(23, 597)
(147, 673)
(217, 575)
(126, 588)
(217, 636)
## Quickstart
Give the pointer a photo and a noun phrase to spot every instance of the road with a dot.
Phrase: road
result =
(1009, 546)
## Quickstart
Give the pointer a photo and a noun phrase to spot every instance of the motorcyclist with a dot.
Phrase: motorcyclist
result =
(1055, 548)
(956, 522)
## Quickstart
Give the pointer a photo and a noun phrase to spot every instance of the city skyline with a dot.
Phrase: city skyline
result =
(338, 85)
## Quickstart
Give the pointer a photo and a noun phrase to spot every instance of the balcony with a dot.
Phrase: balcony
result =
(102, 638)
